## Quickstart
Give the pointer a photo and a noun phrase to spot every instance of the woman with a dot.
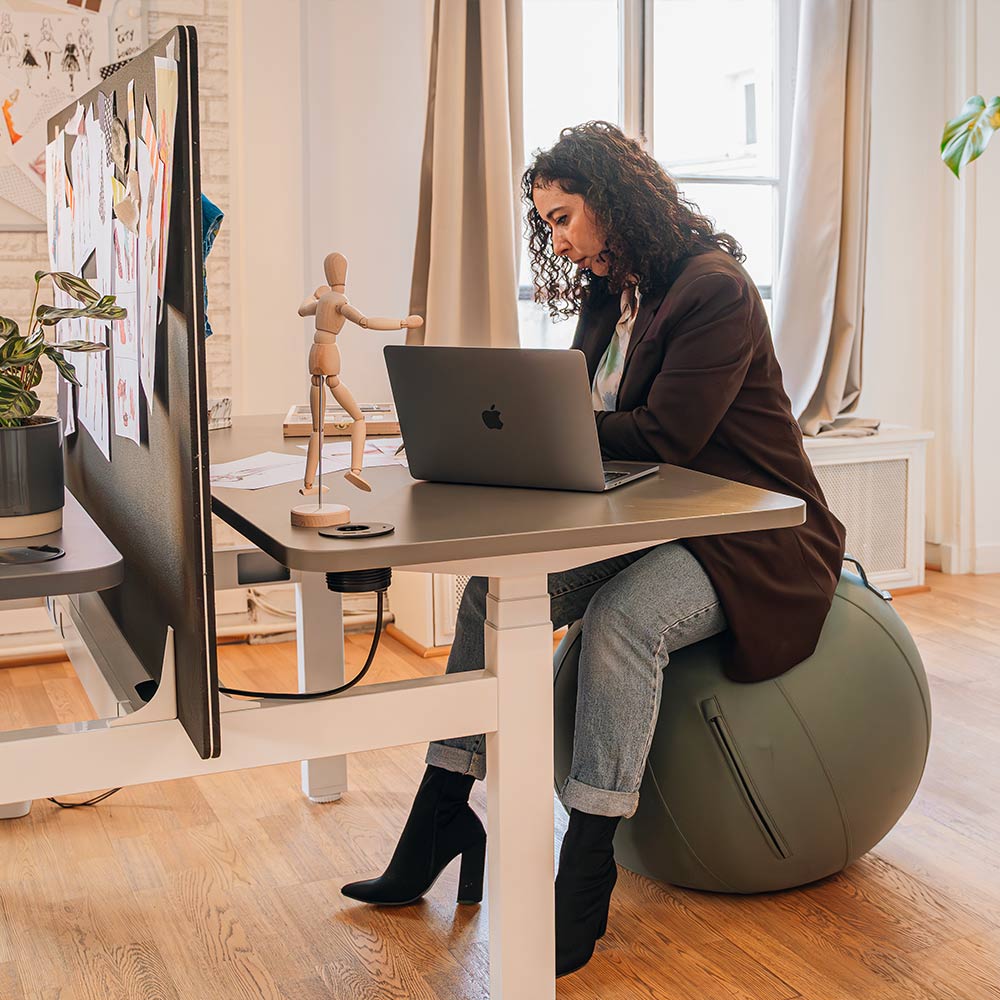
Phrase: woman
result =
(683, 371)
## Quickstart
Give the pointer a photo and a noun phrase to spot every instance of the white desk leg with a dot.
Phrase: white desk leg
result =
(319, 629)
(519, 791)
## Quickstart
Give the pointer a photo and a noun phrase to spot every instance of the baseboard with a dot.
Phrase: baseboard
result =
(949, 558)
(414, 646)
(987, 559)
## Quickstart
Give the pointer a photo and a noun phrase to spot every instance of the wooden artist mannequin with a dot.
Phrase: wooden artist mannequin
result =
(331, 308)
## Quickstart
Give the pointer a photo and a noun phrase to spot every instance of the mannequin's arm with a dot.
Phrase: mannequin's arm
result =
(311, 304)
(378, 322)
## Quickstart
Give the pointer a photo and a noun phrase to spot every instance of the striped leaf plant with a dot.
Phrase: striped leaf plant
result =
(21, 354)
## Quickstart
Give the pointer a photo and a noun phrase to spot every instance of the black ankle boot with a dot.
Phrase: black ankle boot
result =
(587, 876)
(441, 826)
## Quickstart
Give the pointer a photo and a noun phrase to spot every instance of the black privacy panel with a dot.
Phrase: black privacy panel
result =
(153, 499)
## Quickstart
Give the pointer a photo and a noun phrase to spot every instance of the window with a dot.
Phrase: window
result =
(572, 58)
(708, 83)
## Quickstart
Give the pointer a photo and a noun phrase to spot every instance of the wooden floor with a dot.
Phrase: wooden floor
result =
(226, 887)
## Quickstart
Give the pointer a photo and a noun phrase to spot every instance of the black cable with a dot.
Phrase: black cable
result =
(362, 584)
(307, 695)
(89, 802)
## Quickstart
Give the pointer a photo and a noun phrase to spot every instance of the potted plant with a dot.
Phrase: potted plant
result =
(966, 136)
(31, 458)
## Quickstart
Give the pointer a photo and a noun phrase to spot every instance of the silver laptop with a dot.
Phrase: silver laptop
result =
(501, 417)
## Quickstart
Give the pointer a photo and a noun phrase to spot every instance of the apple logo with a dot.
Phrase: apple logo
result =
(491, 418)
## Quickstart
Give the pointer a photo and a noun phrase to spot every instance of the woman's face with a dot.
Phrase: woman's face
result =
(575, 233)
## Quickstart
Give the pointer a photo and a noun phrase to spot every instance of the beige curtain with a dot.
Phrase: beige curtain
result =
(465, 268)
(820, 304)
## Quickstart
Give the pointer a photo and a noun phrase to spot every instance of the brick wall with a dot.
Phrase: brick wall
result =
(21, 254)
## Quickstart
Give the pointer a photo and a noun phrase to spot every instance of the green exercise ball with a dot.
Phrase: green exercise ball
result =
(759, 787)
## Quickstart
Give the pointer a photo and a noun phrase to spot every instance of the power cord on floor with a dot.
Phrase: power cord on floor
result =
(89, 802)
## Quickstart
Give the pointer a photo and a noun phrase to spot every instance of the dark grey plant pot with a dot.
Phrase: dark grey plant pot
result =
(31, 478)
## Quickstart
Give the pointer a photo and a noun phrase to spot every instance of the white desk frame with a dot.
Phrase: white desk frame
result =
(510, 701)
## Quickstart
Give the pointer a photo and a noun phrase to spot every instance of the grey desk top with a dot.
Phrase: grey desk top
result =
(91, 562)
(438, 522)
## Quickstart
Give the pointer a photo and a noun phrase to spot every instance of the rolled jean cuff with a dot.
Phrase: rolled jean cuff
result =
(453, 759)
(597, 801)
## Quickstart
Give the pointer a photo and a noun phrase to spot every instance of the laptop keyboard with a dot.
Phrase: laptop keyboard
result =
(610, 477)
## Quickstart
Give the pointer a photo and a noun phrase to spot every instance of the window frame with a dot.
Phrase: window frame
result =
(635, 109)
(636, 21)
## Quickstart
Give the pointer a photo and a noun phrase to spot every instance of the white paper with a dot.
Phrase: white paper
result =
(151, 184)
(337, 456)
(126, 398)
(166, 111)
(92, 371)
(269, 468)
(102, 208)
(55, 196)
(84, 200)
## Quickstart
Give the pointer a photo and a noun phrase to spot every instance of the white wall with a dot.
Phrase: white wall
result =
(985, 175)
(931, 352)
(366, 96)
(330, 102)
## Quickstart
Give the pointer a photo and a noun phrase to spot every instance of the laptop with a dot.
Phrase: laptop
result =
(501, 417)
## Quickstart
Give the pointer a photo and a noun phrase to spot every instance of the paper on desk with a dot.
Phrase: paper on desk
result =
(269, 468)
(375, 452)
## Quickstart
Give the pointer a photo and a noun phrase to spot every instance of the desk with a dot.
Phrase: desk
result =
(91, 563)
(515, 537)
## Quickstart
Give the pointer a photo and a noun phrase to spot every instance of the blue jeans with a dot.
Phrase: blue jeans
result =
(636, 610)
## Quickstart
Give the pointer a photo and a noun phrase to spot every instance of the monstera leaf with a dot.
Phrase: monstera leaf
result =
(967, 136)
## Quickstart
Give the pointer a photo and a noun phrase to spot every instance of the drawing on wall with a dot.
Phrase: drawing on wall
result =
(47, 45)
(50, 52)
(70, 62)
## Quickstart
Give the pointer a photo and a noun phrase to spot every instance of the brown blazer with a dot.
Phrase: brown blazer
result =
(702, 388)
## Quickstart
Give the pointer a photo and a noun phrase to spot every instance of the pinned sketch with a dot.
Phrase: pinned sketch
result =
(8, 43)
(92, 371)
(46, 58)
(119, 146)
(47, 46)
(125, 286)
(151, 185)
(126, 399)
(166, 110)
(71, 61)
(21, 111)
(84, 223)
(102, 208)
(130, 113)
(55, 167)
(85, 39)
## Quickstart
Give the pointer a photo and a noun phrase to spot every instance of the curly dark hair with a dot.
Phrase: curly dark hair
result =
(648, 225)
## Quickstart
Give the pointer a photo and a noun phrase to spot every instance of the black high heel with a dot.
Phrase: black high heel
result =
(586, 879)
(441, 826)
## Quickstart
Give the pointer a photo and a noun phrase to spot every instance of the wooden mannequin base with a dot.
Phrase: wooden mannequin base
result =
(313, 515)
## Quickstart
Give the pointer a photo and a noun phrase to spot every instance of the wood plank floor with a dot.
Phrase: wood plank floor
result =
(226, 887)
